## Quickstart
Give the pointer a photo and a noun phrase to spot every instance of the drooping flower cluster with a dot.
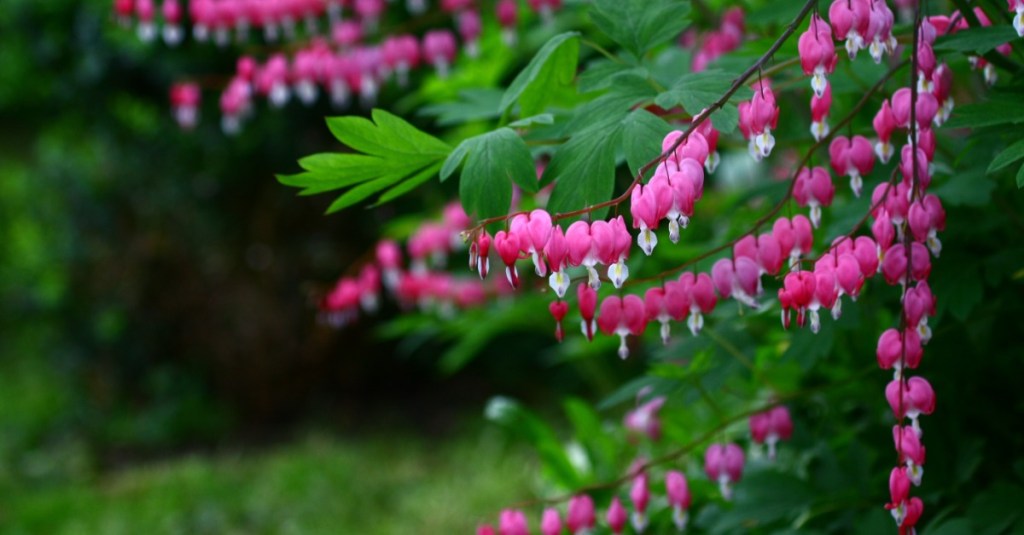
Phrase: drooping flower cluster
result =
(905, 222)
(723, 464)
(423, 284)
(342, 56)
(713, 44)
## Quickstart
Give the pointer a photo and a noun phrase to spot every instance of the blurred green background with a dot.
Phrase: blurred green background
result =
(161, 366)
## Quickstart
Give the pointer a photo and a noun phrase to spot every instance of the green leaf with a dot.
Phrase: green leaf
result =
(979, 40)
(669, 65)
(390, 150)
(589, 431)
(964, 292)
(639, 25)
(554, 65)
(473, 105)
(390, 135)
(968, 187)
(408, 185)
(544, 119)
(604, 73)
(493, 161)
(584, 169)
(765, 497)
(361, 192)
(698, 91)
(510, 414)
(1012, 153)
(642, 133)
(954, 526)
(609, 109)
(1020, 177)
(997, 110)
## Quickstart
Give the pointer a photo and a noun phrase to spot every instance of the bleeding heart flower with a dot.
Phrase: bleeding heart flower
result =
(724, 463)
(581, 514)
(616, 516)
(898, 350)
(814, 188)
(678, 493)
(587, 297)
(558, 311)
(622, 316)
(817, 53)
(640, 495)
(512, 522)
(550, 523)
(917, 398)
(770, 427)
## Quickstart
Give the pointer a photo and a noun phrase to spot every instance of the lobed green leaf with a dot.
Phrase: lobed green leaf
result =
(979, 40)
(554, 65)
(640, 25)
(1012, 153)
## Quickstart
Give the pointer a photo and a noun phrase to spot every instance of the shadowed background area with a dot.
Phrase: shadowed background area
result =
(159, 293)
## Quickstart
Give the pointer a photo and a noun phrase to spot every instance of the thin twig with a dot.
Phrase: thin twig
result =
(697, 121)
(789, 193)
(693, 444)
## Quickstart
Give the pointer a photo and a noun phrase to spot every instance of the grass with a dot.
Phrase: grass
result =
(392, 480)
(320, 484)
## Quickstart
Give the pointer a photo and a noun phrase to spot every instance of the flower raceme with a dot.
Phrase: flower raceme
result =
(905, 224)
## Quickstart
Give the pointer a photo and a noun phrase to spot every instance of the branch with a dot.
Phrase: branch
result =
(697, 121)
(691, 445)
(789, 193)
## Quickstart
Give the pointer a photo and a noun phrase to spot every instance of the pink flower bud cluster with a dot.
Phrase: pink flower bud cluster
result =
(146, 12)
(581, 516)
(422, 285)
(341, 63)
(340, 70)
(677, 184)
(710, 46)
